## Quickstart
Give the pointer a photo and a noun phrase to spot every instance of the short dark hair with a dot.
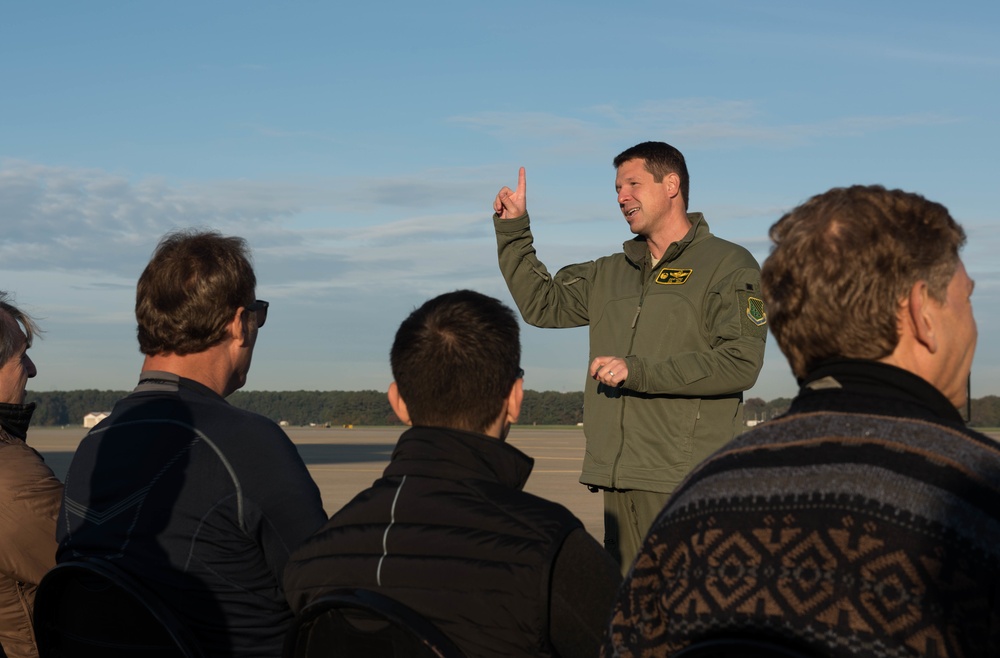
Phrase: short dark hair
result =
(661, 159)
(189, 291)
(7, 341)
(844, 261)
(455, 360)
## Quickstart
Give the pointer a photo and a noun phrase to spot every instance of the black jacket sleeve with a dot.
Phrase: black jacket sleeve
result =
(585, 581)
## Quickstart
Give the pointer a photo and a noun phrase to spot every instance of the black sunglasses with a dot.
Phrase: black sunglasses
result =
(259, 308)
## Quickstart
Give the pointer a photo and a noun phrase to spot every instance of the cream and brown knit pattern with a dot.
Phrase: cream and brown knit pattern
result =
(851, 534)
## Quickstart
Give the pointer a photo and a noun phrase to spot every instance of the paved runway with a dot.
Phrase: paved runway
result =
(345, 461)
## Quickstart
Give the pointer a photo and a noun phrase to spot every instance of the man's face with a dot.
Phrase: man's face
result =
(958, 339)
(644, 202)
(14, 374)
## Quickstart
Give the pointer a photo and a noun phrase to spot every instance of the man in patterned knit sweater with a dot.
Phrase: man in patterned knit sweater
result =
(866, 520)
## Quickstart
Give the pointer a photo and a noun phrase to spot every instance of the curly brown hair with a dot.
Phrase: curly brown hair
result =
(843, 262)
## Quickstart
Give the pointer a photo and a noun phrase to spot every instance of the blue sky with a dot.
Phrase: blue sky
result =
(358, 148)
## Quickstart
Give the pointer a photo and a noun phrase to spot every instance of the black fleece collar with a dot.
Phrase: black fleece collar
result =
(457, 455)
(15, 418)
(875, 380)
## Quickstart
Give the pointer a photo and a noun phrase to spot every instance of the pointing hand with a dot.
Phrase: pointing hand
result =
(511, 204)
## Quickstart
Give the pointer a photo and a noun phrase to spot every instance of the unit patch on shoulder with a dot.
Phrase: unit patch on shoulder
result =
(755, 311)
(753, 318)
(669, 276)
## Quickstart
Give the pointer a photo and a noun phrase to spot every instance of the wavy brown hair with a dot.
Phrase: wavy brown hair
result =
(842, 264)
(190, 291)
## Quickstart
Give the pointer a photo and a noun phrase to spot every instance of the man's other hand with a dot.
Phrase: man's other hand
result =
(609, 370)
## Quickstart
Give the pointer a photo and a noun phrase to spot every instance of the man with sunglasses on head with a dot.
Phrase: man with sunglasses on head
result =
(198, 500)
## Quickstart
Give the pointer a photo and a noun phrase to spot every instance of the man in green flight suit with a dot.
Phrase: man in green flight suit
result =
(677, 330)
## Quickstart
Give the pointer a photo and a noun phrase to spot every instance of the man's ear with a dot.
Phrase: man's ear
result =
(673, 183)
(398, 404)
(238, 326)
(919, 314)
(514, 401)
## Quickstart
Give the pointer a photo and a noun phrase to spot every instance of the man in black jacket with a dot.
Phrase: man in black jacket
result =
(200, 501)
(447, 530)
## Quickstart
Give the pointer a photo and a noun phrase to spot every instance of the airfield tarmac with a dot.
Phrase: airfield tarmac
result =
(346, 461)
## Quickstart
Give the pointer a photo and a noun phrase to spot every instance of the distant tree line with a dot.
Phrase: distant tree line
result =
(69, 407)
(333, 408)
(985, 410)
(338, 408)
(756, 409)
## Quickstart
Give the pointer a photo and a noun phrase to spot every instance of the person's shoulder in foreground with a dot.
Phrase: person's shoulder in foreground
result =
(29, 491)
(447, 530)
(200, 501)
(866, 520)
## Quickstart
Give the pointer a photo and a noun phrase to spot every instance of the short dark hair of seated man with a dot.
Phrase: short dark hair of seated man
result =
(447, 530)
(29, 492)
(865, 520)
(200, 501)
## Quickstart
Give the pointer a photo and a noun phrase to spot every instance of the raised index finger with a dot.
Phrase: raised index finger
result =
(521, 185)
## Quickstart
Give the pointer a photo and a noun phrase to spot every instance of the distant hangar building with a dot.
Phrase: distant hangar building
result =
(94, 417)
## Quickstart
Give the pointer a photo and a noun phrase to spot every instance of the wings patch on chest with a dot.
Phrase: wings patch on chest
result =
(669, 276)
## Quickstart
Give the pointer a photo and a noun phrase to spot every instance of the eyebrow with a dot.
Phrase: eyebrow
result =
(630, 179)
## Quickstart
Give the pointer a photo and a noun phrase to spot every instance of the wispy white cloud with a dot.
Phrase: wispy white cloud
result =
(102, 226)
(698, 122)
(72, 219)
(76, 241)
